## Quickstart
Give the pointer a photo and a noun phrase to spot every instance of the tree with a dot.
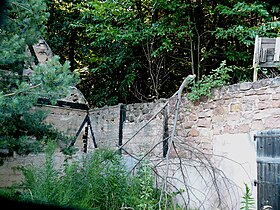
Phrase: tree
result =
(62, 36)
(22, 127)
(130, 51)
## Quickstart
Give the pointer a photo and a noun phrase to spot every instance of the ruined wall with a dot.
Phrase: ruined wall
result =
(105, 125)
(150, 136)
(113, 128)
(221, 128)
(64, 119)
(237, 109)
(10, 173)
(240, 108)
(67, 120)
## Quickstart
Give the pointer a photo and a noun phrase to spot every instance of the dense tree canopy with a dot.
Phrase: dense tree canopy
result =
(130, 51)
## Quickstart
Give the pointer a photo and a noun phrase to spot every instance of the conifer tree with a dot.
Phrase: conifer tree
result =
(22, 128)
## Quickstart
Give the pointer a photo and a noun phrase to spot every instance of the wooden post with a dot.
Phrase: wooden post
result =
(256, 57)
(277, 50)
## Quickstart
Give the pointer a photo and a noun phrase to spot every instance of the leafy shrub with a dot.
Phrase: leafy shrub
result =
(203, 87)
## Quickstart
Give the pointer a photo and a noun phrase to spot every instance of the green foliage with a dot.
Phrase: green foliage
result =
(99, 181)
(240, 28)
(122, 58)
(45, 178)
(54, 78)
(24, 25)
(146, 181)
(218, 78)
(23, 129)
(247, 202)
(130, 51)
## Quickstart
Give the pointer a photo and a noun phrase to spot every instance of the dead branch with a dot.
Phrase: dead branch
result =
(212, 178)
(171, 140)
(19, 92)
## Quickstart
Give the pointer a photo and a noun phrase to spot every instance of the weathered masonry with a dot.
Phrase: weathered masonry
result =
(220, 129)
(225, 126)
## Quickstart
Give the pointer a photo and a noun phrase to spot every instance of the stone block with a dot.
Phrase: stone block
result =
(272, 122)
(250, 92)
(264, 97)
(245, 86)
(239, 95)
(257, 85)
(209, 105)
(218, 110)
(217, 129)
(264, 91)
(204, 122)
(189, 124)
(264, 105)
(242, 128)
(235, 107)
(277, 89)
(193, 132)
(257, 125)
(227, 96)
(233, 118)
(228, 129)
(275, 82)
(275, 104)
(205, 113)
(248, 106)
(181, 132)
(193, 117)
(275, 96)
(217, 118)
(233, 88)
(205, 132)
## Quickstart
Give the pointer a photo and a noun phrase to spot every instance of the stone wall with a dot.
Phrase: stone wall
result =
(105, 125)
(62, 118)
(240, 108)
(221, 128)
(10, 173)
(143, 128)
(237, 109)
(109, 128)
(67, 120)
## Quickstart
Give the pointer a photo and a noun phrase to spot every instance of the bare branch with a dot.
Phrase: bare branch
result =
(22, 91)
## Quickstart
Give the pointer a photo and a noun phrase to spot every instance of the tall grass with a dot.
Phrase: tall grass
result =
(98, 182)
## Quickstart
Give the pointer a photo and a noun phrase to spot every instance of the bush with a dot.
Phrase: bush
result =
(203, 87)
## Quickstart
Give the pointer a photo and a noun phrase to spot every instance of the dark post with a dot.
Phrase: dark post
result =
(122, 120)
(165, 131)
(85, 138)
(92, 133)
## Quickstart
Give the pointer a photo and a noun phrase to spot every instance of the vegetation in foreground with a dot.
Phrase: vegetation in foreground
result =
(99, 181)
